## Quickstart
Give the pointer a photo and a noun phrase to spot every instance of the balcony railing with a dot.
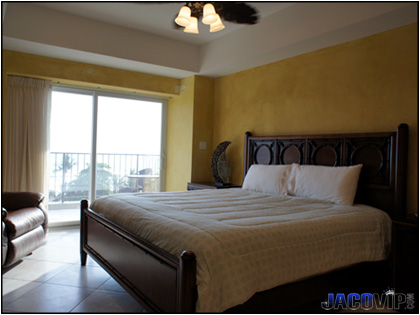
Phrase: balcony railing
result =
(115, 173)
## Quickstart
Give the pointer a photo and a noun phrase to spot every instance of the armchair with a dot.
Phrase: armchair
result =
(24, 224)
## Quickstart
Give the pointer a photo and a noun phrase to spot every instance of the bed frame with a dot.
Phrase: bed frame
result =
(161, 282)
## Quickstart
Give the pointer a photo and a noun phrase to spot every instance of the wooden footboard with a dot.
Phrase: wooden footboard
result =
(157, 280)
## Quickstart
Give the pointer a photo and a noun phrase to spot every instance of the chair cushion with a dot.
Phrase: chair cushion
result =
(22, 221)
(18, 200)
(23, 245)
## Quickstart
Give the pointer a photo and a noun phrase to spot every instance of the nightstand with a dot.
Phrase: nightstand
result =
(207, 185)
(405, 256)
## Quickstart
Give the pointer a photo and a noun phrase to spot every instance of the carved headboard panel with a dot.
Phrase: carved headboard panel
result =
(382, 181)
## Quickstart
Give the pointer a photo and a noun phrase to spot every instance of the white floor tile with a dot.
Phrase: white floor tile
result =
(108, 302)
(81, 276)
(13, 289)
(111, 285)
(52, 280)
(49, 298)
(34, 270)
(55, 253)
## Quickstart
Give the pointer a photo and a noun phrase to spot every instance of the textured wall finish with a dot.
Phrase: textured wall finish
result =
(369, 84)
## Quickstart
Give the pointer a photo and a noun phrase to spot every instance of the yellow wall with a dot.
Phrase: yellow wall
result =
(87, 75)
(180, 137)
(203, 129)
(368, 84)
(191, 123)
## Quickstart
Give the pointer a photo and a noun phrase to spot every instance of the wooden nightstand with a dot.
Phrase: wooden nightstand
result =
(405, 256)
(207, 185)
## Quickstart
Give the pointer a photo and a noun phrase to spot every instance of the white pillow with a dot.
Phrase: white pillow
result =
(270, 179)
(336, 184)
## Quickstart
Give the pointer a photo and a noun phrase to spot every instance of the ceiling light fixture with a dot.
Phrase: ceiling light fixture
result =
(190, 13)
(212, 13)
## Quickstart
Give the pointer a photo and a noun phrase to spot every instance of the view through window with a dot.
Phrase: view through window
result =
(119, 135)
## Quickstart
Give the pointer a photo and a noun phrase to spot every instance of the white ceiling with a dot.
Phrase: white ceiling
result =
(139, 36)
(155, 18)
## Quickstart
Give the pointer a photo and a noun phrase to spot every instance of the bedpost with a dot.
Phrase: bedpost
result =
(83, 208)
(401, 169)
(187, 291)
(246, 153)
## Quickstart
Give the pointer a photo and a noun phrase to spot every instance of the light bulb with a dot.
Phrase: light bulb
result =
(217, 26)
(184, 15)
(193, 27)
(209, 14)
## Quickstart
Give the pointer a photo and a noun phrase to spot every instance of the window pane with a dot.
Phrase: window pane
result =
(70, 146)
(128, 145)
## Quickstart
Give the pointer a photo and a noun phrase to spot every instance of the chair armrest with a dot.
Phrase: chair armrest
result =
(18, 200)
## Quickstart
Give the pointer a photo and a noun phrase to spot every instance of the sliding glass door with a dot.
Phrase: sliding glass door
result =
(103, 143)
(128, 145)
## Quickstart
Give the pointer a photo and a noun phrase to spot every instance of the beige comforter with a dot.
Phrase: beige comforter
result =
(246, 241)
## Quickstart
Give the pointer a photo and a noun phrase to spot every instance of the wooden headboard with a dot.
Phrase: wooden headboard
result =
(382, 181)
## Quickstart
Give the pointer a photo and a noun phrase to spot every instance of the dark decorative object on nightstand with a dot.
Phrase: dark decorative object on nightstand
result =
(405, 258)
(219, 164)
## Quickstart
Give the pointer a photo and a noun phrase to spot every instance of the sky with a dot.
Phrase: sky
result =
(124, 125)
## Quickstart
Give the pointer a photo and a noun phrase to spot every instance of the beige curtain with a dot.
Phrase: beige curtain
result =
(26, 135)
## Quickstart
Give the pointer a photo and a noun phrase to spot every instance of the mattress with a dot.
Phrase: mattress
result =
(246, 242)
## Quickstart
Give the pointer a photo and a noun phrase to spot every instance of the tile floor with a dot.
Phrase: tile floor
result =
(51, 280)
(63, 217)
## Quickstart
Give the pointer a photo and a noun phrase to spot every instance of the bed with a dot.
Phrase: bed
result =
(165, 277)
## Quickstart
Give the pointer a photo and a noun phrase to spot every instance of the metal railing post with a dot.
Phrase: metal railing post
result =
(63, 185)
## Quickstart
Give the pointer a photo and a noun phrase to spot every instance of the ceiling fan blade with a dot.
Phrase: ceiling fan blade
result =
(237, 12)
